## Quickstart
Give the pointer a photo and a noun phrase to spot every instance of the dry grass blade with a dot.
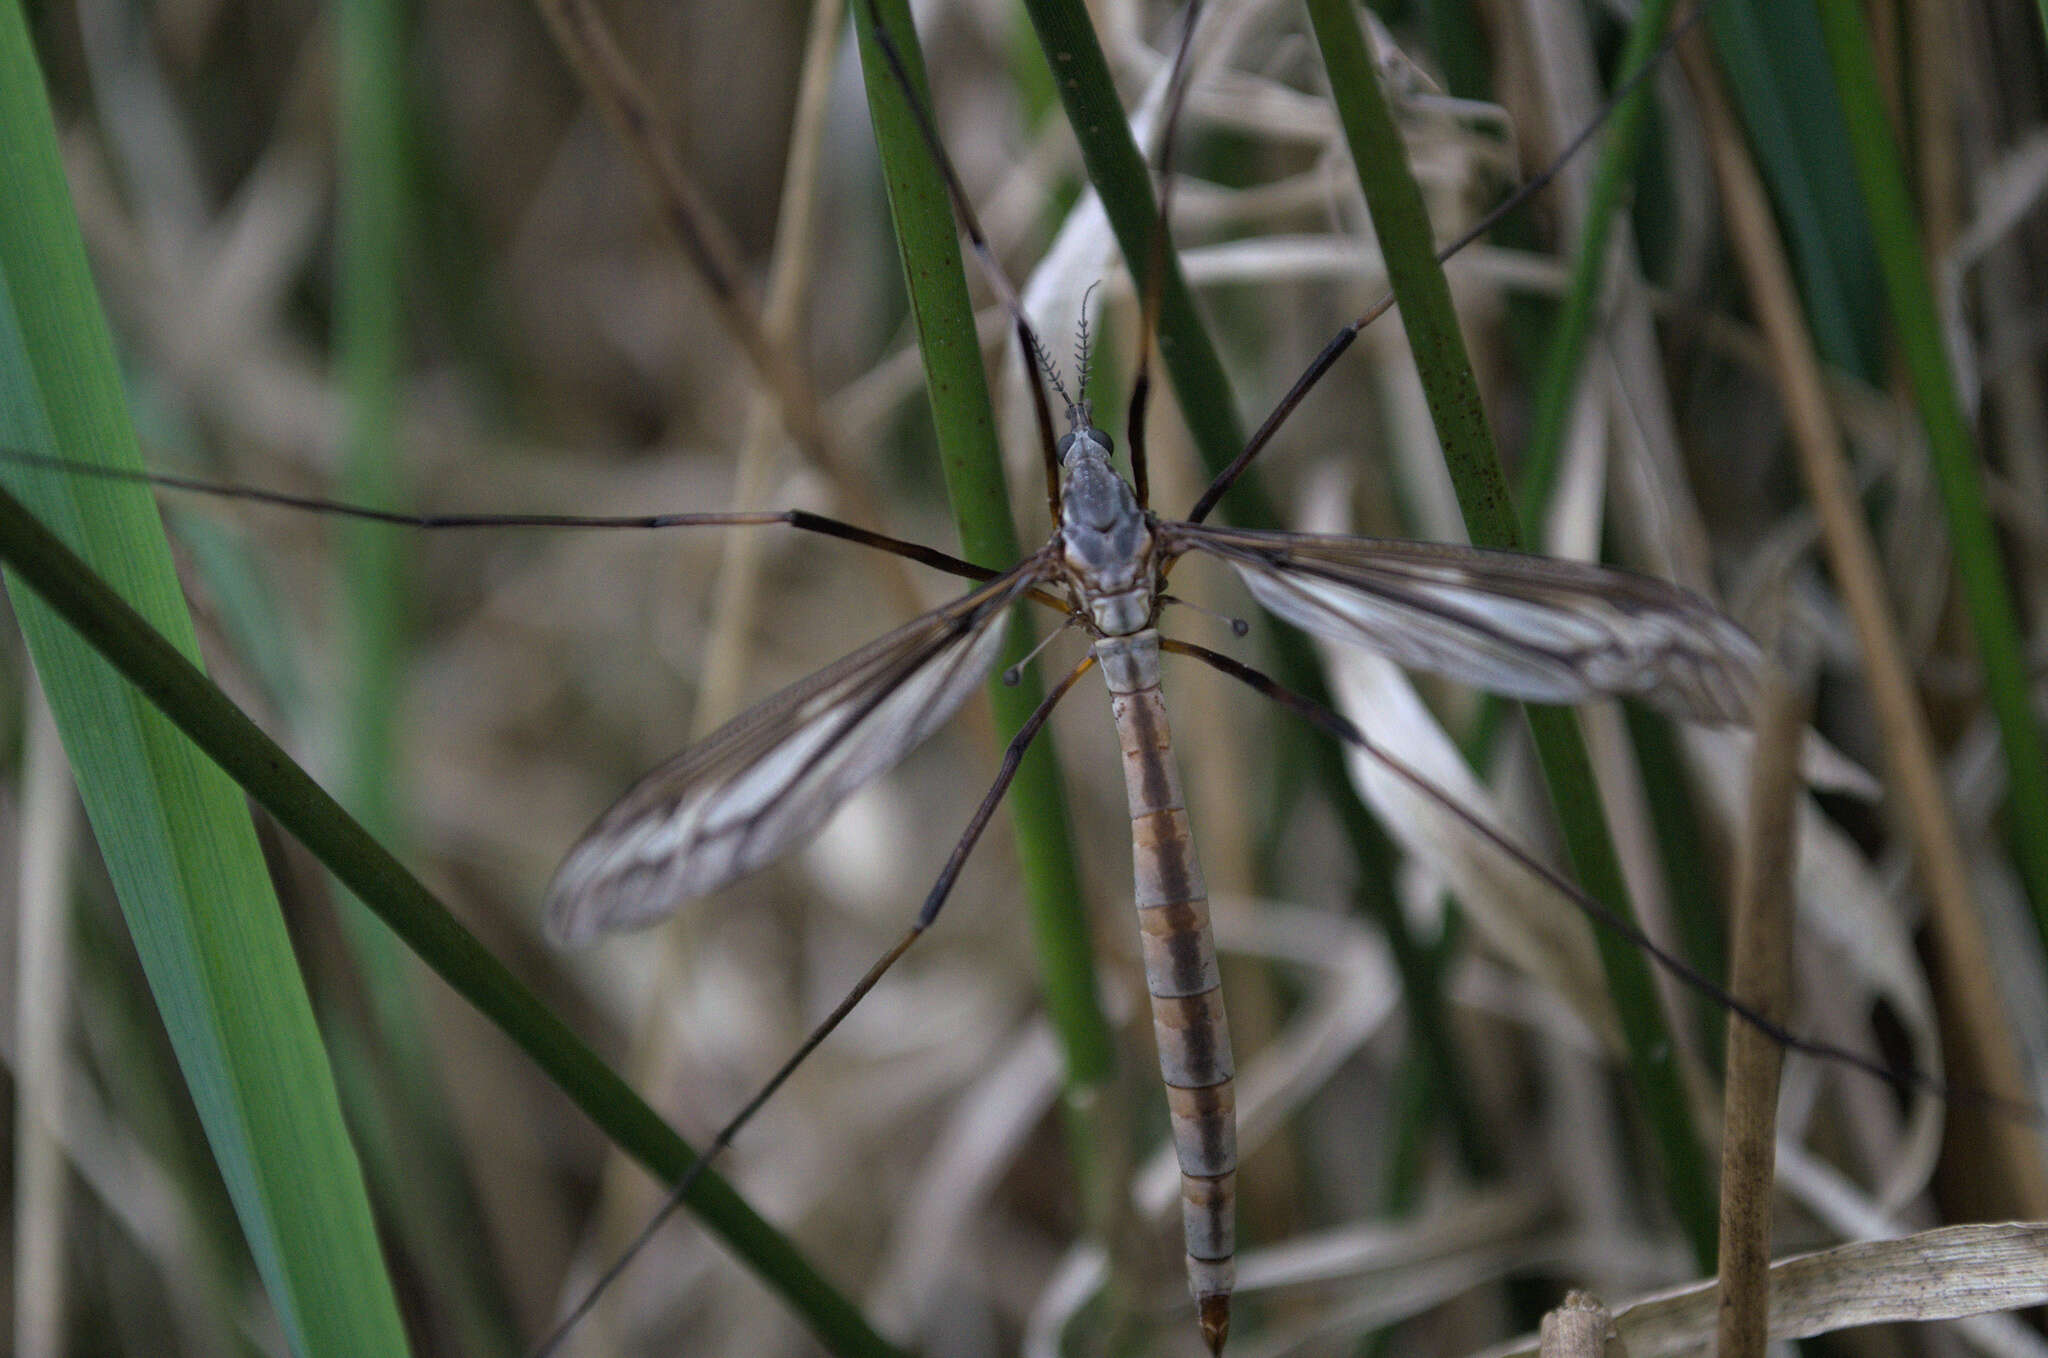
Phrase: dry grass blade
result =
(42, 1059)
(1950, 1273)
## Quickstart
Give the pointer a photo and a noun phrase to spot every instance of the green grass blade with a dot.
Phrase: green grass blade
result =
(417, 1165)
(1124, 182)
(1691, 885)
(1460, 46)
(368, 344)
(369, 351)
(1775, 63)
(176, 687)
(927, 237)
(175, 833)
(1574, 328)
(1408, 244)
(1950, 444)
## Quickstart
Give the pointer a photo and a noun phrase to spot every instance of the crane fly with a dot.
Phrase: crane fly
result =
(1528, 627)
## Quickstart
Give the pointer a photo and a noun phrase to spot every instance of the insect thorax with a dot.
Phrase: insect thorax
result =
(1105, 540)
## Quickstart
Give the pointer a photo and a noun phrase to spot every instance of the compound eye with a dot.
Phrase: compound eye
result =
(1108, 443)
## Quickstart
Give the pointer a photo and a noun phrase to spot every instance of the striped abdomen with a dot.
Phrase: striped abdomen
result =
(1180, 973)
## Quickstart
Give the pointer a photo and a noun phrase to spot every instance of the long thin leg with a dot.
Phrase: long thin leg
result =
(1034, 354)
(1154, 285)
(1341, 341)
(934, 901)
(1905, 1079)
(800, 519)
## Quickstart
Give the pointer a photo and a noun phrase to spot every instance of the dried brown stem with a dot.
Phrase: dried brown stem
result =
(1760, 968)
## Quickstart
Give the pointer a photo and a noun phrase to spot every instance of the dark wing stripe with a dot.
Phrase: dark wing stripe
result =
(1530, 627)
(914, 665)
(729, 804)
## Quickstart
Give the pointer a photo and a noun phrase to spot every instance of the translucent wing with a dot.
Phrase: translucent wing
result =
(1530, 627)
(737, 799)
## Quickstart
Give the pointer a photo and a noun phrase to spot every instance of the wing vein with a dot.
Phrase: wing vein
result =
(729, 804)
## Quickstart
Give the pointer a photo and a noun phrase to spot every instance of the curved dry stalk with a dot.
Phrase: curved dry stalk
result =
(1949, 1273)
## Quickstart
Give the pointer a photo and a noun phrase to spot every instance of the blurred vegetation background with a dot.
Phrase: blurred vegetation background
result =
(394, 255)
